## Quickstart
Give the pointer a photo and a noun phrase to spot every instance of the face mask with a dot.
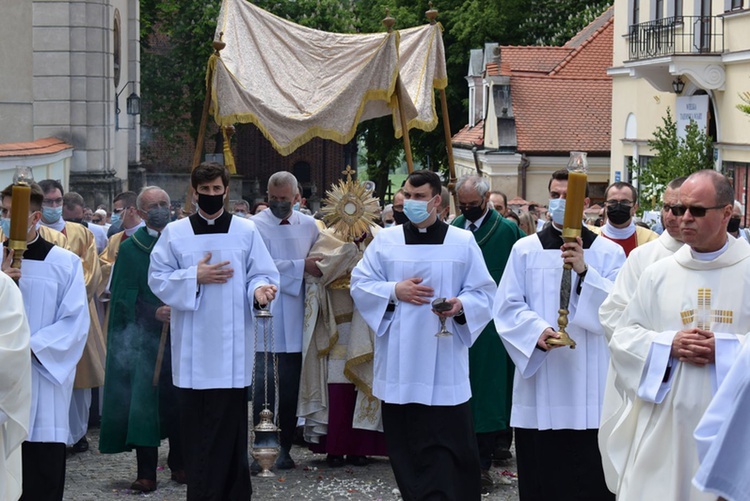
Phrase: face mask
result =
(416, 210)
(280, 209)
(557, 210)
(399, 217)
(388, 225)
(51, 214)
(115, 219)
(472, 213)
(296, 206)
(158, 217)
(734, 224)
(618, 214)
(5, 225)
(210, 204)
(241, 214)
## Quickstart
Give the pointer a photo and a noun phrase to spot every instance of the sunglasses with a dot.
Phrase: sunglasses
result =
(680, 210)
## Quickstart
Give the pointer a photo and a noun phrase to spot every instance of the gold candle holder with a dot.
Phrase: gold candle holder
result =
(19, 213)
(572, 225)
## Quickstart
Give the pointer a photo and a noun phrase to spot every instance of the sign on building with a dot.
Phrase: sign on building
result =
(693, 108)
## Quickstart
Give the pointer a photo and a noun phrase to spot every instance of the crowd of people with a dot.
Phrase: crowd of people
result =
(438, 340)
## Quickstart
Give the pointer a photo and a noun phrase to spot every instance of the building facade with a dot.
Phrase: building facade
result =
(70, 71)
(692, 57)
(529, 107)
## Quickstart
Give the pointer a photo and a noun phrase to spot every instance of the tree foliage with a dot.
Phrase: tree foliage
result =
(675, 157)
(554, 22)
(744, 107)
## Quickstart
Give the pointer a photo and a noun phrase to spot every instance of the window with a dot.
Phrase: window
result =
(117, 48)
(737, 4)
(659, 6)
(635, 11)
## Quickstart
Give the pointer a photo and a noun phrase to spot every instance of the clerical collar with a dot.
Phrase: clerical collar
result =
(129, 231)
(709, 256)
(153, 232)
(618, 233)
(431, 235)
(202, 226)
(37, 249)
(551, 237)
(211, 221)
(58, 225)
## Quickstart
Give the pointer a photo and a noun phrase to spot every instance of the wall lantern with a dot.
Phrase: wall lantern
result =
(678, 85)
(132, 105)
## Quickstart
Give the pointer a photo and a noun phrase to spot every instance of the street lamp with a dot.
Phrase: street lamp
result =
(132, 105)
(678, 85)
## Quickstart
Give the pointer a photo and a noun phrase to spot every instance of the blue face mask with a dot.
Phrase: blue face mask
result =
(416, 210)
(557, 210)
(115, 219)
(51, 214)
(5, 225)
(296, 206)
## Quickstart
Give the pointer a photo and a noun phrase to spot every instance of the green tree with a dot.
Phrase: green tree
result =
(554, 22)
(745, 106)
(675, 157)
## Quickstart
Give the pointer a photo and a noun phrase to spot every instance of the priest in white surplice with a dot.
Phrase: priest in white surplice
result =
(288, 235)
(627, 281)
(557, 392)
(211, 268)
(15, 386)
(423, 380)
(723, 436)
(54, 294)
(674, 344)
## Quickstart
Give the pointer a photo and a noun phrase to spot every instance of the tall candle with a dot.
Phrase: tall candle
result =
(574, 204)
(19, 212)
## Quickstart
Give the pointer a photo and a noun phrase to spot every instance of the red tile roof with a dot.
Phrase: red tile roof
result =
(562, 114)
(469, 137)
(562, 96)
(44, 146)
(532, 59)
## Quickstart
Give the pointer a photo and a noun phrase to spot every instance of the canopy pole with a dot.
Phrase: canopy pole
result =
(218, 45)
(388, 22)
(432, 15)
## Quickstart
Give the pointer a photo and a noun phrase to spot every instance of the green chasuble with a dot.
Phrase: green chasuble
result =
(490, 367)
(130, 412)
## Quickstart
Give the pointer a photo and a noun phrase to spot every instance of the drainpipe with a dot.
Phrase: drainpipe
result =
(523, 166)
(477, 165)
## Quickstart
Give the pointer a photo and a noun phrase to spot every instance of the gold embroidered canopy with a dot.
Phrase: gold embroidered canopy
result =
(295, 83)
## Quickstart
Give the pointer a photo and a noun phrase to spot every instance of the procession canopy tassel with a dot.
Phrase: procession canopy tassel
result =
(388, 22)
(227, 132)
(218, 45)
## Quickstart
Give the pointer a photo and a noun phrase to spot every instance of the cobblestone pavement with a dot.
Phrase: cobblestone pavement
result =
(93, 477)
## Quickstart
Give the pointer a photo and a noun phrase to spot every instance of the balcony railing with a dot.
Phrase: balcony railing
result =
(677, 35)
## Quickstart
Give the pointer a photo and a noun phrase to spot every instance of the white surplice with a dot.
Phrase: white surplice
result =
(56, 305)
(412, 365)
(212, 324)
(650, 453)
(723, 436)
(560, 388)
(288, 245)
(611, 312)
(15, 386)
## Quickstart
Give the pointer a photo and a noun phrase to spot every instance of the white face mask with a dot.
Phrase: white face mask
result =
(557, 210)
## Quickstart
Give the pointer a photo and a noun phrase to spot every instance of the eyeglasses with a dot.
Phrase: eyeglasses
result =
(96, 221)
(680, 210)
(117, 211)
(52, 202)
(612, 204)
